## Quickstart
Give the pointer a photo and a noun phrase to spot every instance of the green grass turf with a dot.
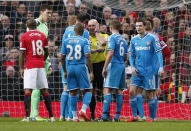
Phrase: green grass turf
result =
(14, 124)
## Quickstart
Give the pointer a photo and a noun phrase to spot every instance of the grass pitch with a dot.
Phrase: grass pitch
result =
(14, 124)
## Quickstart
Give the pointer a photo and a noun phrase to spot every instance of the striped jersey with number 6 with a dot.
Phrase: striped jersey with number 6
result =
(34, 42)
(118, 44)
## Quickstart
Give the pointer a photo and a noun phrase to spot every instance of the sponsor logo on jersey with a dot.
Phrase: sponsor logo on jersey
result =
(142, 48)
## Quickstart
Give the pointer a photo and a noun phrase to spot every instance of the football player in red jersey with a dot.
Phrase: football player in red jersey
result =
(32, 45)
(165, 49)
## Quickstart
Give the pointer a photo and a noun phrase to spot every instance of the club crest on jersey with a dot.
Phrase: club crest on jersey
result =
(148, 43)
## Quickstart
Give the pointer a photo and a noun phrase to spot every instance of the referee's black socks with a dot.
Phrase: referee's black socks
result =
(92, 107)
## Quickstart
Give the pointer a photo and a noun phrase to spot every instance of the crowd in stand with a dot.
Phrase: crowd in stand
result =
(13, 16)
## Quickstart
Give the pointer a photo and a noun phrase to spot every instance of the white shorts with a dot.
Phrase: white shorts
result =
(35, 78)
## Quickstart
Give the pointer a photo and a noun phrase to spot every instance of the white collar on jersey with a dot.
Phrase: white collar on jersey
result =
(32, 30)
(143, 35)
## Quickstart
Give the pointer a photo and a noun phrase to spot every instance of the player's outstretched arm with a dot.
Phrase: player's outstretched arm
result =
(89, 63)
(107, 61)
(21, 63)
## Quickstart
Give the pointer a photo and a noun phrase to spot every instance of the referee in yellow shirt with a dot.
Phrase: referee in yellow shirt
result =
(98, 54)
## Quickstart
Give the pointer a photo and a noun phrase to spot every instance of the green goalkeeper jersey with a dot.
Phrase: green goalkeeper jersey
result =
(43, 27)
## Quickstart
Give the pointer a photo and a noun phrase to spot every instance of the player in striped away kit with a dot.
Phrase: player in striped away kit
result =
(65, 97)
(146, 63)
(114, 71)
(76, 50)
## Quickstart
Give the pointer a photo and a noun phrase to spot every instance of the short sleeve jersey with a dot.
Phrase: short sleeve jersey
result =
(75, 49)
(33, 43)
(145, 49)
(118, 44)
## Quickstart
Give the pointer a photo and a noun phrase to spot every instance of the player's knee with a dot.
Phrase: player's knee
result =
(65, 87)
(89, 90)
(106, 91)
(132, 93)
(93, 92)
(28, 91)
(139, 90)
(149, 95)
(73, 92)
(119, 91)
(43, 91)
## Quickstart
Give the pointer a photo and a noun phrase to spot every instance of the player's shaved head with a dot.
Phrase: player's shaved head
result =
(92, 24)
(31, 24)
(79, 29)
(92, 21)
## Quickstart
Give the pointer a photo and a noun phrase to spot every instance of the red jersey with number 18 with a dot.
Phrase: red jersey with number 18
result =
(33, 43)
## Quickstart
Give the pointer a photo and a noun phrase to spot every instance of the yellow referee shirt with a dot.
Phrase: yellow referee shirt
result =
(98, 57)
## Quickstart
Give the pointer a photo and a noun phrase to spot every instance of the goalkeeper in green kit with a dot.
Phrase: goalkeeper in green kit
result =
(41, 21)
